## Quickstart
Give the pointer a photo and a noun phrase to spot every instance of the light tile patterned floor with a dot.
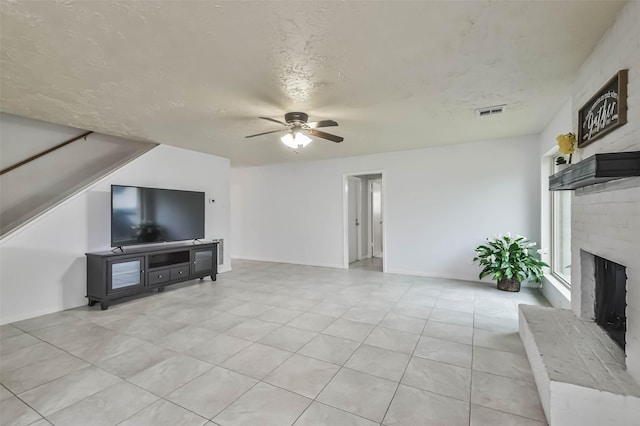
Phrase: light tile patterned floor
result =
(370, 264)
(278, 344)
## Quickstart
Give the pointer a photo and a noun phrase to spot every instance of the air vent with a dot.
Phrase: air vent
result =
(492, 110)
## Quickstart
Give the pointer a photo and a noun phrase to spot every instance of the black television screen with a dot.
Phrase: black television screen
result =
(149, 215)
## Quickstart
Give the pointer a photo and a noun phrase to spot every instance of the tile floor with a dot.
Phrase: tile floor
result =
(370, 264)
(278, 344)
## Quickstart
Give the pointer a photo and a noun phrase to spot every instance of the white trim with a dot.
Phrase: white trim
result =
(274, 260)
(382, 219)
(66, 308)
(555, 231)
(545, 204)
(383, 197)
(345, 221)
(370, 219)
(37, 314)
(561, 292)
(359, 217)
(358, 185)
(546, 223)
(526, 284)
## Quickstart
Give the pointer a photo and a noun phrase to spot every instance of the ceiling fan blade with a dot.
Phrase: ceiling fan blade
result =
(323, 123)
(265, 133)
(327, 136)
(274, 120)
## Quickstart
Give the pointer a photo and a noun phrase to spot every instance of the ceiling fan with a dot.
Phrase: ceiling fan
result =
(297, 128)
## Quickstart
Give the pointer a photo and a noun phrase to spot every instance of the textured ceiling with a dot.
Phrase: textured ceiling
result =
(197, 74)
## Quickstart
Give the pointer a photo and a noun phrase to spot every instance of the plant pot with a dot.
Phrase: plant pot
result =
(507, 284)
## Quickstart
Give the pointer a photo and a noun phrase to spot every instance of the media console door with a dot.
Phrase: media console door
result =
(125, 274)
(202, 262)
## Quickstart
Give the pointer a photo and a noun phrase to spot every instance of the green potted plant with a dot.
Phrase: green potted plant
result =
(510, 261)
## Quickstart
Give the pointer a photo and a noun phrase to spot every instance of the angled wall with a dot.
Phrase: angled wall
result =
(42, 265)
(32, 188)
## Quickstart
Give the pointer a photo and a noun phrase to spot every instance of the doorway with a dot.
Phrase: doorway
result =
(363, 221)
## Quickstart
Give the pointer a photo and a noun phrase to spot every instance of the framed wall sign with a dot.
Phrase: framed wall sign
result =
(605, 111)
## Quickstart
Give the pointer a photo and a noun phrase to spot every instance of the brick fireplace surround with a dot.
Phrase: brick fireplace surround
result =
(605, 218)
(582, 376)
(606, 223)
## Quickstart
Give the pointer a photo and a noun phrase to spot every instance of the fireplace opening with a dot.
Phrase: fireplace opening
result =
(611, 298)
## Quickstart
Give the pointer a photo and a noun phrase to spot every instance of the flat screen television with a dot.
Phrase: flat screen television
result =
(149, 215)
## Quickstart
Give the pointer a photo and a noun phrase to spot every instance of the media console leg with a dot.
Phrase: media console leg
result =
(160, 289)
(213, 277)
(104, 306)
(91, 302)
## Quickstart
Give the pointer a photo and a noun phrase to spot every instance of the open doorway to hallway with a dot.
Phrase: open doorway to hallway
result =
(363, 218)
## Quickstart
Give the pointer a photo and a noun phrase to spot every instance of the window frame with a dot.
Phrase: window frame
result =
(555, 231)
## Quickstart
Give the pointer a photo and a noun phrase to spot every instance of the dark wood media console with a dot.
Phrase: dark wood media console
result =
(112, 275)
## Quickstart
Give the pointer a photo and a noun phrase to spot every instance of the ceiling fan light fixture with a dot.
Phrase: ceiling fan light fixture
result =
(295, 140)
(297, 130)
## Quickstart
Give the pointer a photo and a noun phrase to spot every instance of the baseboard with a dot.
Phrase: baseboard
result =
(274, 260)
(430, 275)
(47, 311)
(37, 314)
(452, 277)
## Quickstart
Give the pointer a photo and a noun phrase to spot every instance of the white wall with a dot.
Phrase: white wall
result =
(42, 265)
(562, 122)
(556, 293)
(439, 204)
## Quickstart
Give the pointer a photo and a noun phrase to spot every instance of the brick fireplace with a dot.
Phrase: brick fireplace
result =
(606, 224)
(605, 218)
(583, 376)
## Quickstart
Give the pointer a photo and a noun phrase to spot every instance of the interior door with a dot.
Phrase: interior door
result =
(353, 188)
(376, 217)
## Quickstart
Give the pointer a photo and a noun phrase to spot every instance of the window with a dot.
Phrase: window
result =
(561, 233)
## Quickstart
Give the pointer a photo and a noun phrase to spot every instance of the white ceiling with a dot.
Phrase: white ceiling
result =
(197, 74)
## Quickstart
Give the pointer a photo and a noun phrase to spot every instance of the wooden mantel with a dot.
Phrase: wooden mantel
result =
(596, 169)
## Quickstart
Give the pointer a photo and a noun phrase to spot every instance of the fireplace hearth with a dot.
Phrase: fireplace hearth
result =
(610, 298)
